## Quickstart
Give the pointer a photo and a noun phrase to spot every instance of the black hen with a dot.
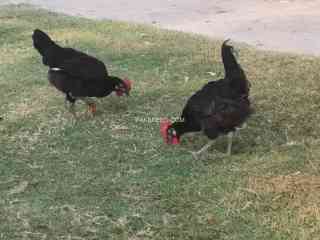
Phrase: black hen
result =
(77, 74)
(218, 108)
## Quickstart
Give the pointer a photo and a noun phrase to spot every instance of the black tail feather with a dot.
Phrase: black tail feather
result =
(41, 41)
(231, 66)
(233, 71)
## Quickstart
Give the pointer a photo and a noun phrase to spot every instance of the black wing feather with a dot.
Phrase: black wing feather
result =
(84, 67)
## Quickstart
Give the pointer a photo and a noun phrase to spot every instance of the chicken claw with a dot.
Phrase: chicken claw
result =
(92, 108)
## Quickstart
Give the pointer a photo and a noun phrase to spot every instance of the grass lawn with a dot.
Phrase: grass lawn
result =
(111, 177)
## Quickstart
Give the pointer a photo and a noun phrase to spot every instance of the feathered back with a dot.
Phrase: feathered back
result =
(41, 41)
(234, 74)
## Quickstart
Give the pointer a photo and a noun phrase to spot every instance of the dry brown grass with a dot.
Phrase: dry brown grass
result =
(35, 104)
(297, 192)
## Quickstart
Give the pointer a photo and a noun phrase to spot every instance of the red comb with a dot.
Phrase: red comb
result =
(164, 125)
(175, 141)
(128, 84)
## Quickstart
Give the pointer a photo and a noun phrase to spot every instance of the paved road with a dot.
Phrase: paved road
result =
(284, 25)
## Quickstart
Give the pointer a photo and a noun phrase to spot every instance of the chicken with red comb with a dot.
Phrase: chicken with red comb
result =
(78, 75)
(220, 107)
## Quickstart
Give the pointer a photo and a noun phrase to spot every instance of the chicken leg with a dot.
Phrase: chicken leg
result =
(72, 109)
(70, 106)
(91, 105)
(209, 144)
(203, 149)
(230, 137)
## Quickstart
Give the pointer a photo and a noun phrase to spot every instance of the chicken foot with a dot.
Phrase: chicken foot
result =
(197, 154)
(91, 105)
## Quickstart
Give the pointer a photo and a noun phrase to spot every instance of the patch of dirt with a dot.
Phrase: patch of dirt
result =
(297, 192)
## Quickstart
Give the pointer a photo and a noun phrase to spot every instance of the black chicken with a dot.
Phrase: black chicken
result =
(218, 108)
(77, 74)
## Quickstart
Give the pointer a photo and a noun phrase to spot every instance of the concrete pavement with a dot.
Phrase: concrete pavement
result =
(283, 25)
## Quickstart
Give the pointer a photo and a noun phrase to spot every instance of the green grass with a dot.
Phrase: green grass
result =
(111, 177)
